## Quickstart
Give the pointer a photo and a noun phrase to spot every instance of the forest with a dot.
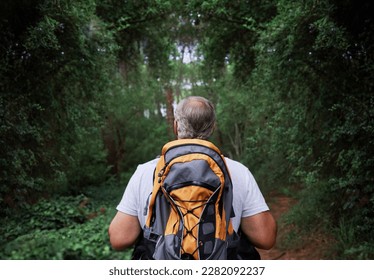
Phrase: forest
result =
(87, 90)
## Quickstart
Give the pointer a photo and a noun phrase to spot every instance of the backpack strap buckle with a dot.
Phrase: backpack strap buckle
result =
(150, 235)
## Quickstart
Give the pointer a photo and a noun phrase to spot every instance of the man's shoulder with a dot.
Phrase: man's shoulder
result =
(144, 171)
(148, 165)
(233, 164)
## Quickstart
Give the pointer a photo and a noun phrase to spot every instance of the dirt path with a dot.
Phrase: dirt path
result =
(311, 250)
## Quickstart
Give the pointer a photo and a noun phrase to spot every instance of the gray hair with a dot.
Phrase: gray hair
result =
(195, 117)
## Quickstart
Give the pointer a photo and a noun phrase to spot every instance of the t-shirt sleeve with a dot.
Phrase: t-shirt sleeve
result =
(130, 199)
(254, 201)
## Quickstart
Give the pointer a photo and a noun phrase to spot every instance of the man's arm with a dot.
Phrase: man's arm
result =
(123, 231)
(261, 229)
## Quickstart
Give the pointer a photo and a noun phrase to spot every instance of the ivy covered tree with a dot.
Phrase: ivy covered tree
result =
(57, 59)
(81, 83)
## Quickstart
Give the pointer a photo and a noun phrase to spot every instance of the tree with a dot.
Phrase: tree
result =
(56, 63)
(297, 74)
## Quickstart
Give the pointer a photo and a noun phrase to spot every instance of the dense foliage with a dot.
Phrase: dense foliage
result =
(86, 93)
(77, 79)
(298, 77)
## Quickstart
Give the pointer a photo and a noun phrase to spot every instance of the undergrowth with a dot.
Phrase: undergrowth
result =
(63, 227)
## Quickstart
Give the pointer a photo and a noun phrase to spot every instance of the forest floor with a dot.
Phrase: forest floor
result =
(309, 248)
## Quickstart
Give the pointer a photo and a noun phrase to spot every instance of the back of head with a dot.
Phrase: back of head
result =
(195, 118)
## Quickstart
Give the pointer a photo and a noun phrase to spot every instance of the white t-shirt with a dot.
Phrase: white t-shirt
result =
(247, 197)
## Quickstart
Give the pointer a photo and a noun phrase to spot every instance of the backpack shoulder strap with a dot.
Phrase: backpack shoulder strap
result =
(160, 167)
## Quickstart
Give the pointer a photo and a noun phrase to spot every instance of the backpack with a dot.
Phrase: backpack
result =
(190, 206)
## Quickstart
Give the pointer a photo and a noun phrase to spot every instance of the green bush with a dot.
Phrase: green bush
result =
(63, 228)
(87, 241)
